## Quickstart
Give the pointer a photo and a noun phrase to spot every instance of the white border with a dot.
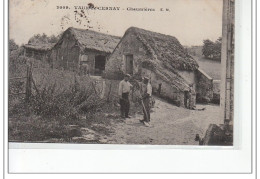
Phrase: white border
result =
(157, 160)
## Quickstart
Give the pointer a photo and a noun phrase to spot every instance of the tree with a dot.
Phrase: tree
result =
(207, 49)
(217, 49)
(16, 58)
(53, 39)
(212, 50)
(42, 39)
(12, 45)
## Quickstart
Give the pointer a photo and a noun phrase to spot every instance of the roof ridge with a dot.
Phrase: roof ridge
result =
(136, 29)
(87, 30)
(94, 40)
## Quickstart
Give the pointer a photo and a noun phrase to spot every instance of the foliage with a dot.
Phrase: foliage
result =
(212, 50)
(42, 39)
(195, 51)
(61, 99)
(68, 104)
(34, 128)
(12, 45)
(17, 62)
(63, 94)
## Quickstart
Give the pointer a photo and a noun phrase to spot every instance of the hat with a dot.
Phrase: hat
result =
(146, 78)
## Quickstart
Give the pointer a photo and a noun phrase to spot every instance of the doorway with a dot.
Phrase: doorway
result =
(129, 64)
(100, 63)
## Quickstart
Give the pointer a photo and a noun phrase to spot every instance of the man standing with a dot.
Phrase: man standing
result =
(192, 93)
(146, 97)
(123, 92)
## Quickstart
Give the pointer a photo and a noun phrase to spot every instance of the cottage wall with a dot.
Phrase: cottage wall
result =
(189, 77)
(111, 92)
(66, 54)
(88, 57)
(167, 91)
(116, 64)
(204, 86)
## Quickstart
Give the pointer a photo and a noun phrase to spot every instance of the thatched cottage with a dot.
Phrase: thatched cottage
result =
(161, 57)
(40, 51)
(85, 50)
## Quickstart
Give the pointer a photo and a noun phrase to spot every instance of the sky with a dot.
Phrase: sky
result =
(190, 21)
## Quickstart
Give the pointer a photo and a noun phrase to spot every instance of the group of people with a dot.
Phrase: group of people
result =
(145, 94)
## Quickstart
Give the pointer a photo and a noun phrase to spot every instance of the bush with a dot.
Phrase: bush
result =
(17, 63)
(69, 102)
(62, 99)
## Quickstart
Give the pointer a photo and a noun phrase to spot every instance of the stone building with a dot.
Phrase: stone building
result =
(83, 51)
(205, 86)
(160, 57)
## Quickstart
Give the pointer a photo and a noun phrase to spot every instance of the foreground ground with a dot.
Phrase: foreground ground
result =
(169, 125)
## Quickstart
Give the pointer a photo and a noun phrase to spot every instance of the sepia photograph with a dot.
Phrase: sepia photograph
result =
(121, 72)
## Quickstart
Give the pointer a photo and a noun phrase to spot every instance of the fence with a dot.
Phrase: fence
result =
(38, 76)
(16, 85)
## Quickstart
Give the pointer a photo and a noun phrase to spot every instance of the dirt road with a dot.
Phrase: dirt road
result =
(169, 125)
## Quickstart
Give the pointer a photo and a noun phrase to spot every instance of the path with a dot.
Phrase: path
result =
(169, 125)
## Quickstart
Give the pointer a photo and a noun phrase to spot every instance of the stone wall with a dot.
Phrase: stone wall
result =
(204, 86)
(111, 91)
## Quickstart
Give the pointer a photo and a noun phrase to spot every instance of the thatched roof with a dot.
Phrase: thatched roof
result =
(88, 39)
(39, 46)
(165, 48)
(167, 56)
(169, 76)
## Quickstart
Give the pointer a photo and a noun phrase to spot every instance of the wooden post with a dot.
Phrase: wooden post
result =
(28, 83)
(26, 88)
(227, 61)
(27, 95)
(108, 95)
